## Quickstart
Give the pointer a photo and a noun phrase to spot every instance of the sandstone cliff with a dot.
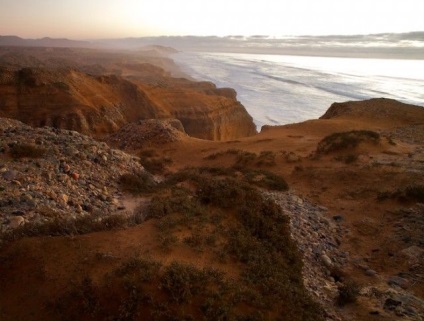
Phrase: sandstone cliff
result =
(99, 105)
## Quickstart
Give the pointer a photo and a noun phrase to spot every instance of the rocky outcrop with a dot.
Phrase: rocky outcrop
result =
(149, 132)
(57, 174)
(100, 105)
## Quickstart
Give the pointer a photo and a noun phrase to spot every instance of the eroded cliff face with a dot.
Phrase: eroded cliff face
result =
(205, 111)
(100, 105)
(69, 99)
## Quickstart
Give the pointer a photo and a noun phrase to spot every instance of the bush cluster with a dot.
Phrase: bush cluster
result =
(137, 183)
(346, 140)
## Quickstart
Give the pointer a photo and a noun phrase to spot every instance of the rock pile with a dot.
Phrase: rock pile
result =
(46, 173)
(145, 133)
(318, 238)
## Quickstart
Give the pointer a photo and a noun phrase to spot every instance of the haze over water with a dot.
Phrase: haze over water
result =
(282, 89)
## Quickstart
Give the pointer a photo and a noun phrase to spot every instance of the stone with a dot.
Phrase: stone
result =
(16, 221)
(326, 260)
(75, 175)
(391, 304)
(64, 198)
(398, 281)
(413, 253)
(370, 272)
(66, 168)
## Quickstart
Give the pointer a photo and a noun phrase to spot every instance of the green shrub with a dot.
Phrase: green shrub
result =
(415, 192)
(152, 162)
(266, 180)
(182, 282)
(346, 140)
(142, 269)
(407, 194)
(155, 165)
(167, 241)
(348, 293)
(224, 193)
(178, 202)
(266, 158)
(244, 159)
(137, 183)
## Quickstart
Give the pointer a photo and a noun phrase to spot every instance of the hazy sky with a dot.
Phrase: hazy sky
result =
(85, 19)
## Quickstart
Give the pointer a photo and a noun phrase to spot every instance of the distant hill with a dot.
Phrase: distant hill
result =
(43, 42)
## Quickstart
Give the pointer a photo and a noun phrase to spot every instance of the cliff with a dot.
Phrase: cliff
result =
(99, 105)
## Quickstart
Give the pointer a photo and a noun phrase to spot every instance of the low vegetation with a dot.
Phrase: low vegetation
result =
(348, 293)
(411, 193)
(216, 212)
(60, 226)
(154, 163)
(137, 183)
(346, 140)
(245, 159)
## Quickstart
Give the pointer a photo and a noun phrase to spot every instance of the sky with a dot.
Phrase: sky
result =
(96, 19)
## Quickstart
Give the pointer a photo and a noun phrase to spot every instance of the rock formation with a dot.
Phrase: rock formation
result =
(100, 105)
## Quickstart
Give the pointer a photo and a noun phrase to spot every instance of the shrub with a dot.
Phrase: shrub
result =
(178, 202)
(26, 150)
(415, 192)
(155, 165)
(143, 269)
(266, 158)
(137, 183)
(409, 193)
(224, 193)
(345, 140)
(266, 179)
(152, 162)
(166, 241)
(182, 282)
(244, 159)
(348, 293)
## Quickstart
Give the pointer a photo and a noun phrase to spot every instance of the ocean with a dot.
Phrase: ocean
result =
(281, 89)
